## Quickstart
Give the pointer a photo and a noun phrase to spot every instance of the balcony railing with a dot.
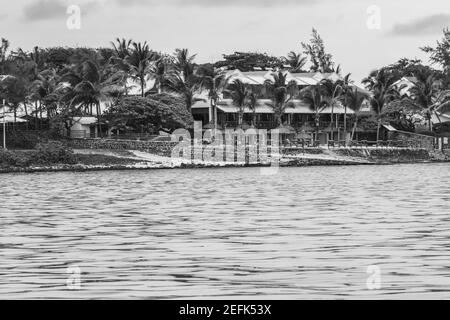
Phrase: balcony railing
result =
(271, 124)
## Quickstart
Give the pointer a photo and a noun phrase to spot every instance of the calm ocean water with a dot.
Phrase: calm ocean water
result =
(227, 233)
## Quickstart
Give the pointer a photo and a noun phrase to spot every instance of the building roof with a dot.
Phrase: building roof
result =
(85, 120)
(238, 75)
(443, 117)
(201, 105)
(389, 127)
(134, 88)
(405, 84)
(10, 119)
(259, 76)
(264, 106)
(304, 78)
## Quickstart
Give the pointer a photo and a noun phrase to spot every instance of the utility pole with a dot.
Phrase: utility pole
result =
(4, 126)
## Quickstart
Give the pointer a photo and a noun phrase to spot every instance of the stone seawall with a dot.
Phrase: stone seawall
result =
(161, 148)
(164, 148)
(387, 155)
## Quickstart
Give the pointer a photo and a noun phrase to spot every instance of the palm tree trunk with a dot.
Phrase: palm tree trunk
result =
(36, 116)
(317, 122)
(355, 125)
(378, 130)
(99, 128)
(26, 114)
(142, 87)
(332, 123)
(345, 123)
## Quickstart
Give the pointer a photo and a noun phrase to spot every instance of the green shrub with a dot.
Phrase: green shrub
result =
(44, 154)
(14, 159)
(21, 140)
(53, 152)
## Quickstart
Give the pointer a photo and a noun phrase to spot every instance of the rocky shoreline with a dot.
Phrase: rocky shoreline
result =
(134, 160)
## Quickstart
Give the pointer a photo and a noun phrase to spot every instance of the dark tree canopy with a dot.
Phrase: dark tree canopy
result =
(410, 68)
(163, 111)
(248, 61)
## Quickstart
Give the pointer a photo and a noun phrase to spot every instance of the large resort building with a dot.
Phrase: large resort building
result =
(299, 117)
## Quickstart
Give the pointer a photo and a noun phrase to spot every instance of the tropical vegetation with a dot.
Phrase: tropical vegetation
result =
(130, 86)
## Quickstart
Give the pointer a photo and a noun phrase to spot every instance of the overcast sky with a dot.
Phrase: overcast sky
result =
(212, 27)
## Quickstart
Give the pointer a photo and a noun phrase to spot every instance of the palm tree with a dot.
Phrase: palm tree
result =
(381, 83)
(161, 71)
(14, 90)
(354, 100)
(214, 81)
(239, 92)
(184, 62)
(186, 83)
(296, 61)
(252, 100)
(3, 55)
(46, 90)
(122, 48)
(424, 94)
(186, 89)
(91, 84)
(281, 92)
(346, 86)
(313, 97)
(121, 52)
(331, 94)
(140, 61)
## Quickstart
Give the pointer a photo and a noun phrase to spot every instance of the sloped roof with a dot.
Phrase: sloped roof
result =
(303, 78)
(443, 117)
(134, 88)
(389, 127)
(201, 105)
(10, 119)
(307, 78)
(259, 76)
(238, 75)
(85, 120)
(337, 110)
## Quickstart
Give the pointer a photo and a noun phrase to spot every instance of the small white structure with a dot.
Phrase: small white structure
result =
(405, 84)
(84, 127)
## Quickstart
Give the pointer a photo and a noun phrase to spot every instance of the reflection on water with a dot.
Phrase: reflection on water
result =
(221, 233)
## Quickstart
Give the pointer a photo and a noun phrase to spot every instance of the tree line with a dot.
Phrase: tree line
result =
(55, 84)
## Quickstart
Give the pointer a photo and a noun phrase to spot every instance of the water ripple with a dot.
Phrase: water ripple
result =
(221, 233)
